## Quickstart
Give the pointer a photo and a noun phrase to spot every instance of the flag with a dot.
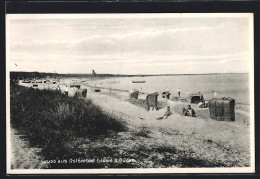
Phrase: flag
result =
(94, 73)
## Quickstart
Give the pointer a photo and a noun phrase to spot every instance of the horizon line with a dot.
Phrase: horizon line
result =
(135, 74)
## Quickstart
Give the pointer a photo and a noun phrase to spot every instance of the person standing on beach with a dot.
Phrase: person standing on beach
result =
(214, 94)
(66, 91)
(179, 92)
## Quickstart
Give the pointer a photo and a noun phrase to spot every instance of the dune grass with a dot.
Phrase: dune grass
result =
(55, 122)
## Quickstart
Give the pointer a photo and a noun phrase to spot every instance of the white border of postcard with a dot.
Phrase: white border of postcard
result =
(129, 171)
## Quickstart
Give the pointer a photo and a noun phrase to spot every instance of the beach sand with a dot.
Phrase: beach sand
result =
(22, 155)
(221, 141)
(200, 141)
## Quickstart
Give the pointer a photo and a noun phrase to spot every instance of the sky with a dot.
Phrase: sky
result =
(130, 43)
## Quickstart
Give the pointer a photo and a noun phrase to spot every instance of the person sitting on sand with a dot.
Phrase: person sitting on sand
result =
(201, 104)
(189, 111)
(166, 114)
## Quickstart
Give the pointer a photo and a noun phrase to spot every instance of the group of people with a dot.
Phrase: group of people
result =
(187, 92)
(179, 92)
(214, 93)
(186, 112)
(66, 90)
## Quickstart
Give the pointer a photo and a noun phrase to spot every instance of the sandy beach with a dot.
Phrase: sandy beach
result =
(200, 141)
(226, 142)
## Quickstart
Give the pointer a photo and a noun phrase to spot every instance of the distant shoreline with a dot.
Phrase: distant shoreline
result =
(15, 74)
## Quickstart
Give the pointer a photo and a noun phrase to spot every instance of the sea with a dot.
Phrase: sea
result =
(235, 86)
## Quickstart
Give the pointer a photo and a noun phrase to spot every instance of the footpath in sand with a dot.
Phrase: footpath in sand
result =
(23, 156)
(201, 141)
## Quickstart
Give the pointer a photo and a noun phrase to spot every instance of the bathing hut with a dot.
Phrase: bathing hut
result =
(34, 85)
(133, 94)
(151, 100)
(222, 109)
(97, 90)
(81, 93)
(196, 98)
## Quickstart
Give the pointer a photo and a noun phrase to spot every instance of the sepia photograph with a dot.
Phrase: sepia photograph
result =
(102, 93)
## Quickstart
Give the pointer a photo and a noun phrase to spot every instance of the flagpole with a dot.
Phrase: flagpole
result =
(94, 73)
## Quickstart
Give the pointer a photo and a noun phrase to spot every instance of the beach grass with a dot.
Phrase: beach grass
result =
(143, 132)
(57, 123)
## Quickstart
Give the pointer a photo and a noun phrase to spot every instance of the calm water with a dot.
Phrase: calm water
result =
(226, 85)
